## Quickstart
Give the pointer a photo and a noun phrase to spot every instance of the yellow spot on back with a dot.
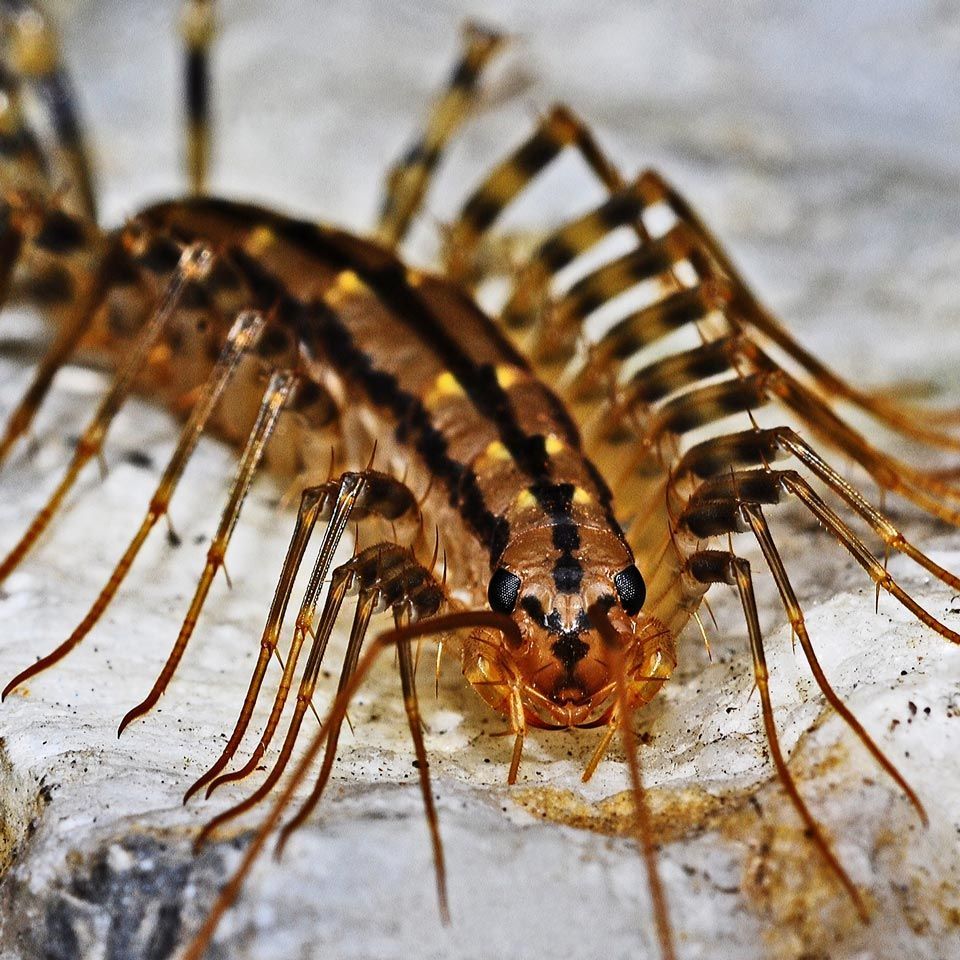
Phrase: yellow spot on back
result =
(496, 451)
(444, 387)
(507, 376)
(554, 444)
(526, 500)
(581, 496)
(349, 282)
(414, 278)
(259, 240)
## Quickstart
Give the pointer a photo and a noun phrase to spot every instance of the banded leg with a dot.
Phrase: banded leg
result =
(198, 26)
(409, 179)
(22, 163)
(354, 496)
(35, 56)
(194, 263)
(559, 129)
(275, 398)
(896, 416)
(244, 333)
(712, 566)
(385, 575)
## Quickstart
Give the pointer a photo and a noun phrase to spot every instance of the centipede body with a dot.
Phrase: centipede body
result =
(449, 689)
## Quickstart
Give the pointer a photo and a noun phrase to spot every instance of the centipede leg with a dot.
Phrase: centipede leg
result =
(754, 516)
(243, 334)
(310, 501)
(194, 263)
(354, 491)
(910, 422)
(711, 566)
(64, 345)
(409, 179)
(22, 163)
(802, 490)
(560, 128)
(35, 56)
(430, 626)
(278, 391)
(197, 25)
(361, 622)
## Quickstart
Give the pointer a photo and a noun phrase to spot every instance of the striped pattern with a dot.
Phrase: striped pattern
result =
(455, 391)
(408, 179)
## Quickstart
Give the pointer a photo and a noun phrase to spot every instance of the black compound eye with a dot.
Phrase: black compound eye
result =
(631, 590)
(503, 591)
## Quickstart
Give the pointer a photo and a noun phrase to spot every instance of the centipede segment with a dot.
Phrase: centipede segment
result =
(578, 523)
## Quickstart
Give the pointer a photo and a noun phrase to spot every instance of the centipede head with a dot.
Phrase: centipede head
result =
(564, 666)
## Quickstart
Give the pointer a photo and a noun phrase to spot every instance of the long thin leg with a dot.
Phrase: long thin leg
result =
(194, 264)
(308, 682)
(758, 524)
(428, 627)
(354, 496)
(243, 334)
(350, 488)
(198, 26)
(559, 129)
(278, 391)
(409, 179)
(35, 56)
(713, 567)
(890, 535)
(799, 487)
(76, 324)
(908, 421)
(306, 520)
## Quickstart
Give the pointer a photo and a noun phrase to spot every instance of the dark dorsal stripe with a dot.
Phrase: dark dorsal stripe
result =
(386, 277)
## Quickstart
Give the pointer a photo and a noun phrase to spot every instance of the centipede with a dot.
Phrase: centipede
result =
(543, 452)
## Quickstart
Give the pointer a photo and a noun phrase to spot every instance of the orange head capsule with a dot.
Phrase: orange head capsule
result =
(563, 667)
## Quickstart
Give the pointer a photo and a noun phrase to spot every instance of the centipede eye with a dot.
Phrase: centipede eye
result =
(631, 590)
(503, 591)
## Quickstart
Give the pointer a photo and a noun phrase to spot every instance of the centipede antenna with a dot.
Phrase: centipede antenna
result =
(197, 27)
(744, 583)
(275, 398)
(761, 530)
(195, 262)
(644, 828)
(349, 490)
(243, 334)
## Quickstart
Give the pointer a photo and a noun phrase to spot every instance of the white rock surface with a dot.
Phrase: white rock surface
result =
(821, 144)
